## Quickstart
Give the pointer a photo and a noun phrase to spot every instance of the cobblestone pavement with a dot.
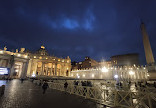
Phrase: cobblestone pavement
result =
(29, 95)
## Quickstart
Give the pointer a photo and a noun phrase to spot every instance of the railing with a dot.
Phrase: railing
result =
(110, 96)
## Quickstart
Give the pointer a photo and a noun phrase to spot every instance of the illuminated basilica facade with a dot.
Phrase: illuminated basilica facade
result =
(23, 63)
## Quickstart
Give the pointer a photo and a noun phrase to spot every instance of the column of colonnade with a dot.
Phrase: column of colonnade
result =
(50, 68)
(43, 65)
(24, 70)
(1, 61)
(55, 69)
(46, 69)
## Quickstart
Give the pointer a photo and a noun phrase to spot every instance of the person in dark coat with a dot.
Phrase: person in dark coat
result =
(22, 79)
(44, 87)
(65, 86)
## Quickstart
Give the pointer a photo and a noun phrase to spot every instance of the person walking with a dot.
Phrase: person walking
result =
(65, 86)
(44, 86)
(22, 79)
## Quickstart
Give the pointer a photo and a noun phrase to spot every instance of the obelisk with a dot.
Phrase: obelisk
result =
(149, 55)
(147, 46)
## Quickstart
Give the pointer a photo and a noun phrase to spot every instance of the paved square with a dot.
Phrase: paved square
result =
(29, 95)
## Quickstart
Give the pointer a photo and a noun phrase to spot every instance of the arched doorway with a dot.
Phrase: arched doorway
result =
(17, 69)
(39, 68)
(67, 72)
(49, 69)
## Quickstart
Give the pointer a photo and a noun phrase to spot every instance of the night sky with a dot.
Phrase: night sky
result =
(78, 28)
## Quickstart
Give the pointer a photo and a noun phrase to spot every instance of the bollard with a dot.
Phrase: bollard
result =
(2, 89)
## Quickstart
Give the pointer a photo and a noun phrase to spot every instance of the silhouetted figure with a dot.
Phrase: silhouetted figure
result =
(7, 79)
(155, 84)
(139, 83)
(22, 79)
(32, 80)
(76, 82)
(120, 84)
(44, 87)
(89, 84)
(135, 84)
(65, 86)
(40, 83)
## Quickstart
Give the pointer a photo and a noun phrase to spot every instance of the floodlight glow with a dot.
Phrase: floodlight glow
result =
(19, 55)
(93, 75)
(26, 56)
(71, 74)
(16, 70)
(148, 75)
(33, 75)
(78, 76)
(131, 72)
(84, 75)
(1, 52)
(104, 69)
(116, 76)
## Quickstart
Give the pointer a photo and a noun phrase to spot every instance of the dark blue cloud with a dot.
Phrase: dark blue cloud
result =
(78, 28)
(63, 22)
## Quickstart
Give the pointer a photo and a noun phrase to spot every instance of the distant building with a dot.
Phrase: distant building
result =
(24, 63)
(86, 64)
(125, 60)
(105, 64)
(89, 63)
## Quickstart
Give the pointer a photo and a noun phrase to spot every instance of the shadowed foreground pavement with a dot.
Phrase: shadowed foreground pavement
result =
(28, 95)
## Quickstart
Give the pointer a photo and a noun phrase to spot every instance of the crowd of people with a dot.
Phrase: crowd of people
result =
(4, 77)
(83, 83)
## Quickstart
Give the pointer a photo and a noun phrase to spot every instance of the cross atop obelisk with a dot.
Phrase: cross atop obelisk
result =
(147, 46)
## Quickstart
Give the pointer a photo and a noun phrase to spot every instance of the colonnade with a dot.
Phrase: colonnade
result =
(4, 63)
(112, 73)
(48, 68)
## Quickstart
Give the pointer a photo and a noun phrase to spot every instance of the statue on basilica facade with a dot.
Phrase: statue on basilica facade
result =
(5, 48)
(16, 50)
(22, 50)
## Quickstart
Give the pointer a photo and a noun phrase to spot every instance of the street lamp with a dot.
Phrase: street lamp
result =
(115, 76)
